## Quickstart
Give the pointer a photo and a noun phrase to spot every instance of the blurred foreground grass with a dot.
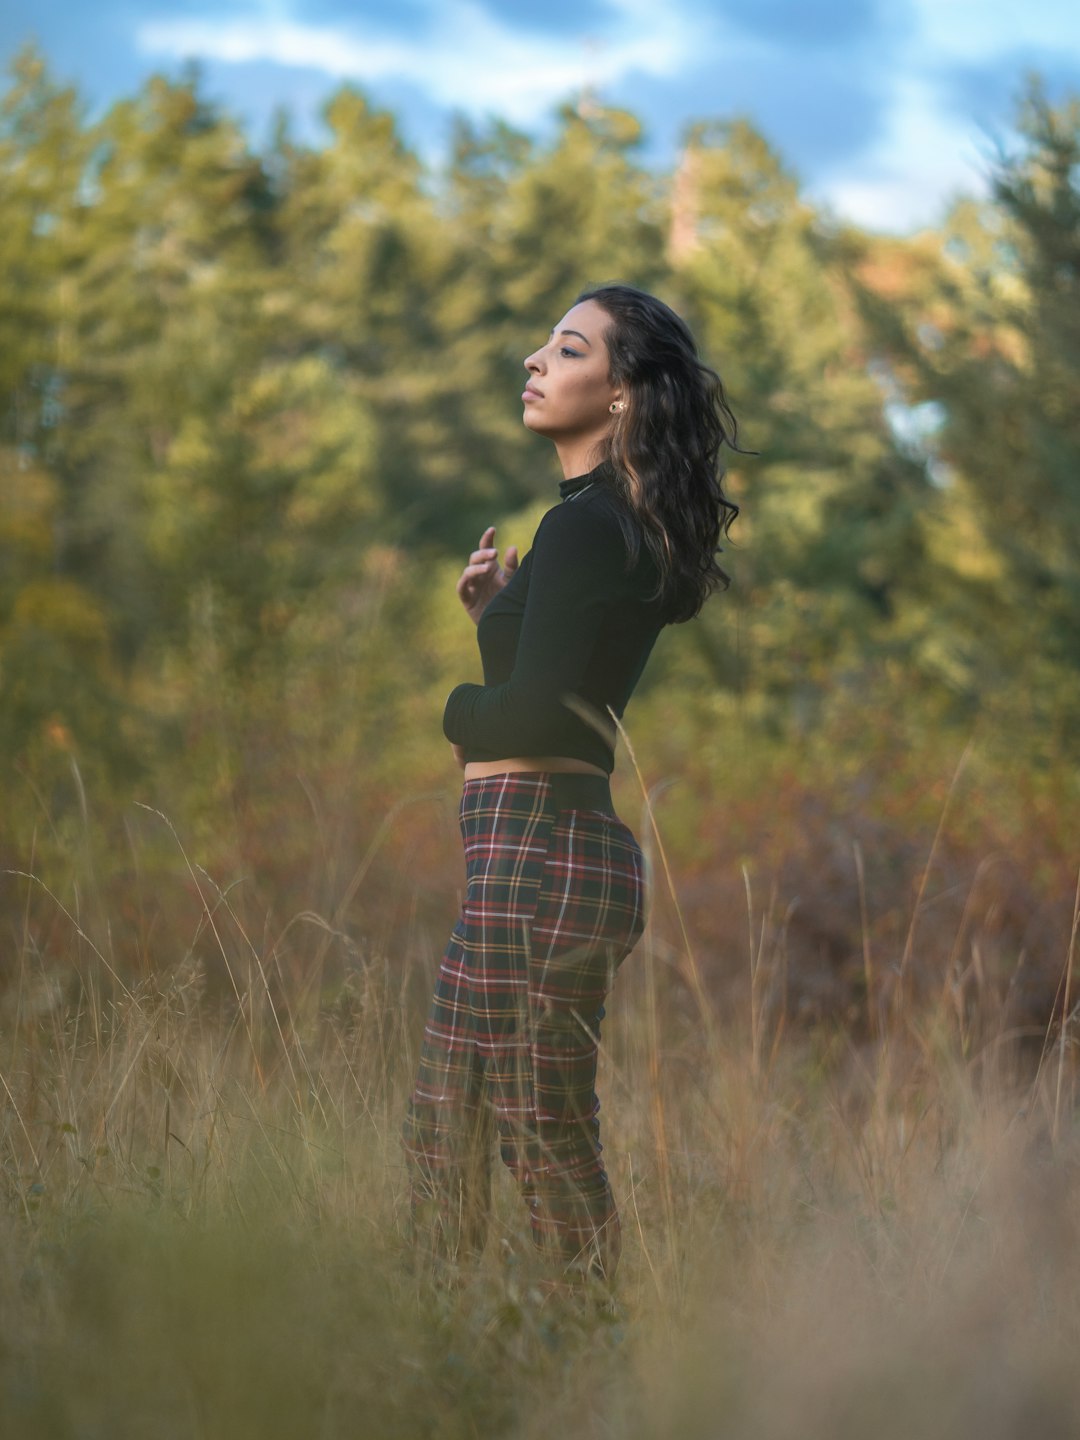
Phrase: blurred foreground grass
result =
(828, 1231)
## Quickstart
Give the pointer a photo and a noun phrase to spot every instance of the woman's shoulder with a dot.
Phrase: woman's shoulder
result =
(597, 527)
(592, 521)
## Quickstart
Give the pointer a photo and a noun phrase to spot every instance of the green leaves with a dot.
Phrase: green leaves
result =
(984, 323)
(234, 386)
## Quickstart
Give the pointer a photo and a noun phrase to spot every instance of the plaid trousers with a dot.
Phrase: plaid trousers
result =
(555, 900)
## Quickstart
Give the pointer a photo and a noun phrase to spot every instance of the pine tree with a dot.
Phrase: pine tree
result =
(825, 554)
(981, 328)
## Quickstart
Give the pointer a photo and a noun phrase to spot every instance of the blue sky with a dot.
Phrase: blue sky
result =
(882, 107)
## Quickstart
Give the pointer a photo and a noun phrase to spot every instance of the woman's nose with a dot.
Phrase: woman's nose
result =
(533, 363)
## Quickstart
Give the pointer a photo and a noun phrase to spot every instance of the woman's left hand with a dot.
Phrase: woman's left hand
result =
(459, 755)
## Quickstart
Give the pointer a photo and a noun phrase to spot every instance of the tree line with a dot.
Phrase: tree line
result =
(256, 404)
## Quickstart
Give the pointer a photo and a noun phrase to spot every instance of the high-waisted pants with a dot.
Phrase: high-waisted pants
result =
(555, 900)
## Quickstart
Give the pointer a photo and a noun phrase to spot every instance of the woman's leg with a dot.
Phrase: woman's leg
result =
(554, 902)
(507, 841)
(591, 913)
(474, 1071)
(448, 1131)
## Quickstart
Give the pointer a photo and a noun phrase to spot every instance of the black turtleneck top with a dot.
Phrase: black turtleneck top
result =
(565, 639)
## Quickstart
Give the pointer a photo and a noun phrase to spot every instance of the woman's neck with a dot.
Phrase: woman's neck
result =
(578, 457)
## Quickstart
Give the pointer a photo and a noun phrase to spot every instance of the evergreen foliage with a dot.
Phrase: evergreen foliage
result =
(255, 407)
(979, 330)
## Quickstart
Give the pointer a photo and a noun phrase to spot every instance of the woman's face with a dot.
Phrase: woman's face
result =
(568, 396)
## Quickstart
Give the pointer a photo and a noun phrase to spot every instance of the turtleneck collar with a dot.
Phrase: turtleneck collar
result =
(569, 488)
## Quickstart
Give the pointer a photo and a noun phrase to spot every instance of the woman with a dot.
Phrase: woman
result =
(556, 893)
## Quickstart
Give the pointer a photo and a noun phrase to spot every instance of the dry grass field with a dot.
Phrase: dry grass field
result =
(846, 1228)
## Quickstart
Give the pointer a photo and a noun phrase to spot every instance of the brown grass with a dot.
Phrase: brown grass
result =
(834, 1226)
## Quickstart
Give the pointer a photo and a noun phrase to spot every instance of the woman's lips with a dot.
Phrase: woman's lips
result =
(529, 394)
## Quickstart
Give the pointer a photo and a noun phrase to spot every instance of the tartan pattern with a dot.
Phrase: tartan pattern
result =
(555, 900)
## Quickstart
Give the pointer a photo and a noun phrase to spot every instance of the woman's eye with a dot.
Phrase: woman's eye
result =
(566, 350)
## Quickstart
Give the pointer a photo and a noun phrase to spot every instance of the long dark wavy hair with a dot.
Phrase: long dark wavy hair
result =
(664, 447)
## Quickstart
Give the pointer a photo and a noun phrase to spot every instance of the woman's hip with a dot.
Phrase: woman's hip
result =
(549, 852)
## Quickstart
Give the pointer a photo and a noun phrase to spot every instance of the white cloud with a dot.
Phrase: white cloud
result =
(464, 58)
(460, 55)
(922, 160)
(889, 203)
(928, 155)
(974, 30)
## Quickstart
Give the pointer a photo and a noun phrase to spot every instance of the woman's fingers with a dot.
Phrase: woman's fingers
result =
(473, 580)
(481, 577)
(477, 572)
(482, 559)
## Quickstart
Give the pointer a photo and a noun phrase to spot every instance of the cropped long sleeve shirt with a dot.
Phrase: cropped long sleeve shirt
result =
(565, 640)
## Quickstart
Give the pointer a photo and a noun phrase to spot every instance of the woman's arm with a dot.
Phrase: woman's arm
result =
(578, 573)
